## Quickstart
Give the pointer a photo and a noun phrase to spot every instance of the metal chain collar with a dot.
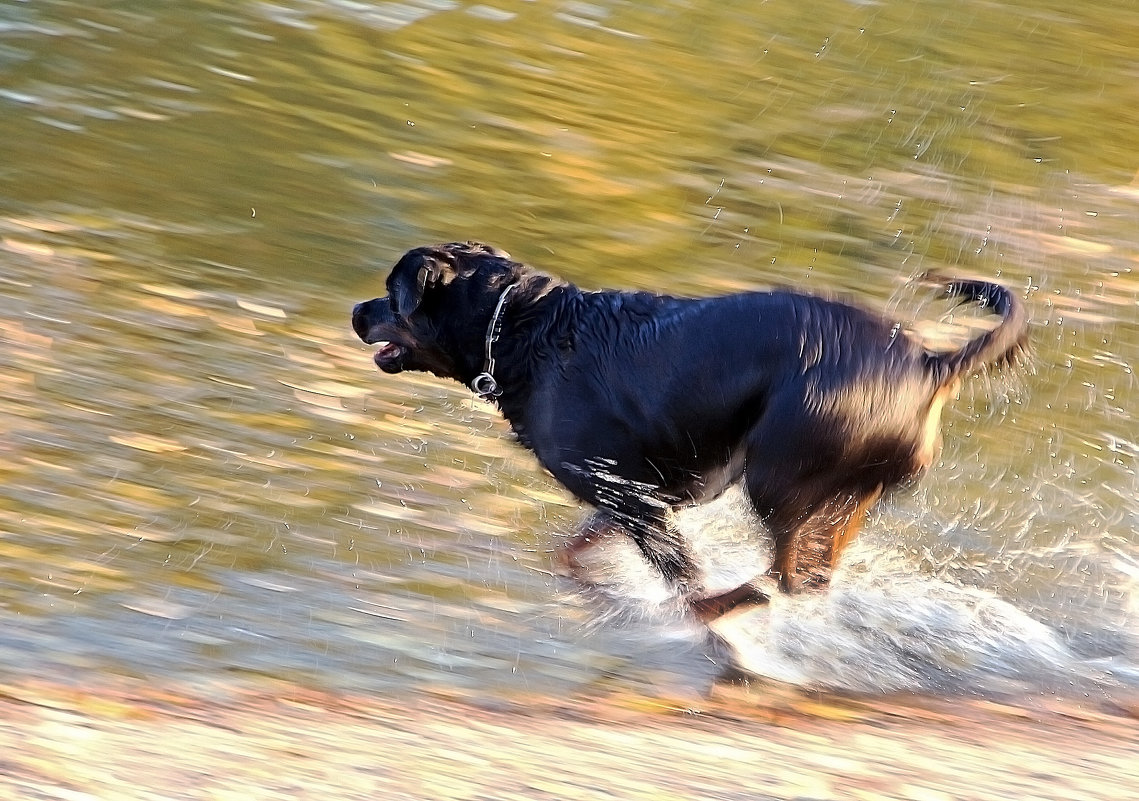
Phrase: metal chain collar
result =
(484, 385)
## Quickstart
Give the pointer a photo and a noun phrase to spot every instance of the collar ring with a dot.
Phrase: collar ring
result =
(484, 384)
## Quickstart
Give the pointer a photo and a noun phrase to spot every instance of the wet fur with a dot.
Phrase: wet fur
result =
(639, 403)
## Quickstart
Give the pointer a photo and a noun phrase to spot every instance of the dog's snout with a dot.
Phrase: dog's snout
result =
(362, 319)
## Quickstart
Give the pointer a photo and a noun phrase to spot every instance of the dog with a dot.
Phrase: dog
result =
(640, 403)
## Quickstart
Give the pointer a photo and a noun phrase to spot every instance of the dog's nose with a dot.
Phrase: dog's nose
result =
(359, 321)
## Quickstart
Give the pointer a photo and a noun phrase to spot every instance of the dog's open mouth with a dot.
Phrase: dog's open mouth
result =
(389, 357)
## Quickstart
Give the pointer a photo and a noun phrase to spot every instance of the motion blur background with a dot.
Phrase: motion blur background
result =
(204, 480)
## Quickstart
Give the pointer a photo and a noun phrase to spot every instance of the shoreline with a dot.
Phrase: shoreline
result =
(141, 742)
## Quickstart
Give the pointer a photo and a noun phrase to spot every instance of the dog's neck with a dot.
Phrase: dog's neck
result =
(519, 337)
(484, 384)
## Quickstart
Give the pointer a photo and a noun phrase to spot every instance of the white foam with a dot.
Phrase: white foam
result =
(882, 626)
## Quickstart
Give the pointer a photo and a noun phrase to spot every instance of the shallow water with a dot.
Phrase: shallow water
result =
(205, 480)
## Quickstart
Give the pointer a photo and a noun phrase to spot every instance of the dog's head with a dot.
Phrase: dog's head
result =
(439, 303)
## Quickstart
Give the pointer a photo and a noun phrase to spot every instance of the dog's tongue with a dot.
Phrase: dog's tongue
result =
(389, 357)
(387, 350)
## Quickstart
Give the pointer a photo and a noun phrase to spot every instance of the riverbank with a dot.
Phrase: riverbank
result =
(739, 743)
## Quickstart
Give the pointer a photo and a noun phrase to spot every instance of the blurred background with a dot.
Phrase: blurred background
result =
(205, 482)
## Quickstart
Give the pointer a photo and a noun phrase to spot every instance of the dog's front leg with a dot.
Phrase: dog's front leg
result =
(660, 544)
(594, 530)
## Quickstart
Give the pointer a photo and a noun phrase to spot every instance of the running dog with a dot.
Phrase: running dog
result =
(641, 403)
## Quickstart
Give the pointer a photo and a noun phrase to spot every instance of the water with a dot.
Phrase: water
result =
(205, 481)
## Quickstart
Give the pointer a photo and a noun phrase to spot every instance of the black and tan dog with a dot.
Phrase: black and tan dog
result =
(640, 403)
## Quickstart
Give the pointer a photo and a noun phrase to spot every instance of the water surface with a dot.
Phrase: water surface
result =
(205, 480)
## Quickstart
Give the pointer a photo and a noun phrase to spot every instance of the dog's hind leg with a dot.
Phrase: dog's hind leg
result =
(813, 507)
(715, 606)
(847, 529)
(808, 543)
(807, 548)
(812, 481)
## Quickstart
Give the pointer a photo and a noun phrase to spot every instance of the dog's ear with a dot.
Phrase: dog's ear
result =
(413, 274)
(407, 290)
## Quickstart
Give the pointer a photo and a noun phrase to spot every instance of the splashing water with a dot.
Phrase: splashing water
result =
(882, 626)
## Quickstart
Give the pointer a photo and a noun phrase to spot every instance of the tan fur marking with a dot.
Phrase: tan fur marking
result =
(848, 531)
(931, 435)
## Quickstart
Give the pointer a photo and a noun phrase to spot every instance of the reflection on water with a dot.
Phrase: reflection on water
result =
(203, 476)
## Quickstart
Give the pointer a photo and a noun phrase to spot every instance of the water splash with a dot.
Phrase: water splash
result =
(884, 626)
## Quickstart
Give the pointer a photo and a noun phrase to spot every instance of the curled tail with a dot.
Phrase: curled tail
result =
(1001, 344)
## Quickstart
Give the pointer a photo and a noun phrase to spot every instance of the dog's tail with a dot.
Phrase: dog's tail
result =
(1001, 345)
